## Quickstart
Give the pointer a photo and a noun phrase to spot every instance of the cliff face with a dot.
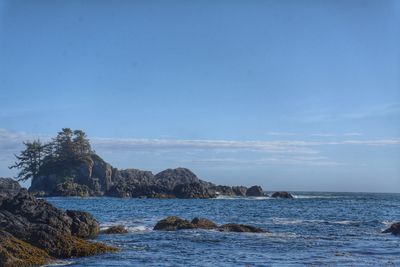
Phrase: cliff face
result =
(92, 176)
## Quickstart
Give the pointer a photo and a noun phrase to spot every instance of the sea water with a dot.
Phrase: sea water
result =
(313, 229)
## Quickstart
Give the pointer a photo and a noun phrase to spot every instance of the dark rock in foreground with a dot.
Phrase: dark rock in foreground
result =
(117, 229)
(282, 195)
(15, 252)
(174, 223)
(38, 231)
(394, 229)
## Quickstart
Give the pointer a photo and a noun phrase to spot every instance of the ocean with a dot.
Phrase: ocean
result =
(314, 229)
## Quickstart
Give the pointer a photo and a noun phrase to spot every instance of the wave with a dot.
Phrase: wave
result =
(313, 196)
(131, 227)
(241, 198)
(289, 221)
(59, 263)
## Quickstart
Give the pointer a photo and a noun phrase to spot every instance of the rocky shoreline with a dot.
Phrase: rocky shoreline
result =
(34, 232)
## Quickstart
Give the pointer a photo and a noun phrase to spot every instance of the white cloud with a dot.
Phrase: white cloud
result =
(204, 151)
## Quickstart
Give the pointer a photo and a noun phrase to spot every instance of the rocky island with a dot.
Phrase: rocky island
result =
(67, 166)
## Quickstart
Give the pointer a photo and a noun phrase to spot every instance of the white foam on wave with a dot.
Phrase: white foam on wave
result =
(131, 227)
(241, 198)
(139, 228)
(313, 196)
(59, 263)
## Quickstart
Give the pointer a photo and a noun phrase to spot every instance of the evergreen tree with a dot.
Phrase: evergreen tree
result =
(30, 160)
(81, 143)
(63, 145)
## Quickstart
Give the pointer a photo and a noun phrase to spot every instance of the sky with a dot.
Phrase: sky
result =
(291, 95)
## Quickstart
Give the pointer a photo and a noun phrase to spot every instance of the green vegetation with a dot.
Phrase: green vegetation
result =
(69, 148)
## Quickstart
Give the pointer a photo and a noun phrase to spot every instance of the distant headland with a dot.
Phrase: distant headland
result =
(67, 166)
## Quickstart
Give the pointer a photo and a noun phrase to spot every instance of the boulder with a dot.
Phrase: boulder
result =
(282, 194)
(233, 227)
(46, 228)
(117, 229)
(204, 223)
(255, 191)
(83, 225)
(8, 187)
(394, 229)
(173, 223)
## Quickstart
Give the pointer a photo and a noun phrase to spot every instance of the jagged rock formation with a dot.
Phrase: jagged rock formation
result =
(174, 223)
(8, 187)
(32, 231)
(92, 176)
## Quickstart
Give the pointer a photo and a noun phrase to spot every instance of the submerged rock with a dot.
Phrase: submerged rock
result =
(204, 223)
(117, 229)
(282, 194)
(174, 223)
(394, 229)
(233, 227)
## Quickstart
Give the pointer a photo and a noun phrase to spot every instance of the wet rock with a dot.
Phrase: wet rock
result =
(83, 225)
(117, 229)
(394, 229)
(233, 227)
(255, 191)
(15, 252)
(282, 194)
(43, 226)
(204, 223)
(173, 223)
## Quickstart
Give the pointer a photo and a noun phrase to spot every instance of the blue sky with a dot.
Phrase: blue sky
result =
(291, 95)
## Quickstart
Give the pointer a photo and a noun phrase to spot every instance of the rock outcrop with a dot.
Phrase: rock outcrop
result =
(255, 191)
(174, 223)
(281, 195)
(234, 227)
(394, 229)
(8, 187)
(92, 176)
(39, 231)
